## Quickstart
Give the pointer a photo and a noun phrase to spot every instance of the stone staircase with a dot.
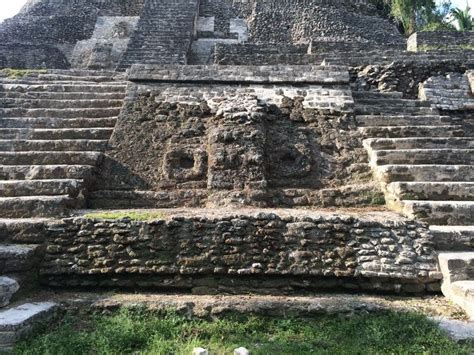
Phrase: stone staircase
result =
(54, 127)
(163, 35)
(425, 163)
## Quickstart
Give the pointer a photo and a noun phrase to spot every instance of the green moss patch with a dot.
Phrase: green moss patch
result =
(132, 215)
(20, 73)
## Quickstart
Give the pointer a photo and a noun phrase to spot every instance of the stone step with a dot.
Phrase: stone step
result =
(37, 206)
(55, 122)
(59, 104)
(62, 88)
(391, 173)
(453, 238)
(17, 322)
(454, 213)
(56, 95)
(60, 113)
(458, 278)
(385, 110)
(39, 172)
(412, 131)
(383, 120)
(53, 145)
(377, 95)
(456, 266)
(23, 230)
(462, 293)
(50, 158)
(8, 287)
(55, 133)
(16, 188)
(390, 103)
(15, 258)
(419, 142)
(434, 191)
(423, 156)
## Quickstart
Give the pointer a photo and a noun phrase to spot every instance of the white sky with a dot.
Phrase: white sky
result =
(9, 8)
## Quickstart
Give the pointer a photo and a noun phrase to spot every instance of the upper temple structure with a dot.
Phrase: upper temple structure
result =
(280, 146)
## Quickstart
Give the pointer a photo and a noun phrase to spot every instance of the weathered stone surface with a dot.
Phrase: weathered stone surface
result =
(17, 322)
(8, 287)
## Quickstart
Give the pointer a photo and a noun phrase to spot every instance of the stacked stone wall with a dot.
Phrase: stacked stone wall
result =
(441, 40)
(212, 251)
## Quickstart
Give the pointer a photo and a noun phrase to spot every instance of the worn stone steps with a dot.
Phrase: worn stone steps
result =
(419, 142)
(23, 230)
(38, 172)
(391, 103)
(449, 156)
(15, 258)
(453, 238)
(378, 110)
(37, 206)
(439, 212)
(412, 131)
(97, 133)
(61, 113)
(14, 188)
(19, 87)
(50, 158)
(8, 287)
(462, 293)
(55, 122)
(58, 104)
(56, 95)
(358, 95)
(458, 275)
(404, 120)
(52, 145)
(17, 322)
(435, 191)
(431, 172)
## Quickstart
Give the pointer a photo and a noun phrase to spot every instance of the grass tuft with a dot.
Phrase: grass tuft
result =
(132, 215)
(138, 331)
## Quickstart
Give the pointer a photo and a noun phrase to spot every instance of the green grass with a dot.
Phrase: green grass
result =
(144, 332)
(133, 215)
(20, 73)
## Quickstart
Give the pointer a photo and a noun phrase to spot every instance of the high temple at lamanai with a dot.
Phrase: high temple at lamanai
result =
(279, 146)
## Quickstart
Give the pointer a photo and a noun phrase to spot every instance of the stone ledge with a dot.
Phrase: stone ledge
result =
(278, 74)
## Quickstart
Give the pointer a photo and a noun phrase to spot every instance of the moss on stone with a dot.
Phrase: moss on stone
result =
(19, 73)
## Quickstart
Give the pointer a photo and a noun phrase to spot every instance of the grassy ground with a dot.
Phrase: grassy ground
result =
(144, 332)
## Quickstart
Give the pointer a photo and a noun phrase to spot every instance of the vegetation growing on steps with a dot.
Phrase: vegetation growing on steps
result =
(134, 215)
(145, 332)
(20, 73)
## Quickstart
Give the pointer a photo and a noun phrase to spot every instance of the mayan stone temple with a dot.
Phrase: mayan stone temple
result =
(278, 147)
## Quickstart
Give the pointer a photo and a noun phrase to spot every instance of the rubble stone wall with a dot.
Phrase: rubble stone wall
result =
(225, 251)
(32, 57)
(188, 134)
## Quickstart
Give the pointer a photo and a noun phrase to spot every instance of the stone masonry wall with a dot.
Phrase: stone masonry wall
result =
(31, 57)
(441, 40)
(222, 251)
(451, 92)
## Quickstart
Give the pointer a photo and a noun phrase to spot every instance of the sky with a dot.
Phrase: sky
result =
(9, 8)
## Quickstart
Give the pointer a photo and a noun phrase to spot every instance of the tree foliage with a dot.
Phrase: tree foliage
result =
(463, 18)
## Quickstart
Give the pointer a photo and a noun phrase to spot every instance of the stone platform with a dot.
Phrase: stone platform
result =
(208, 251)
